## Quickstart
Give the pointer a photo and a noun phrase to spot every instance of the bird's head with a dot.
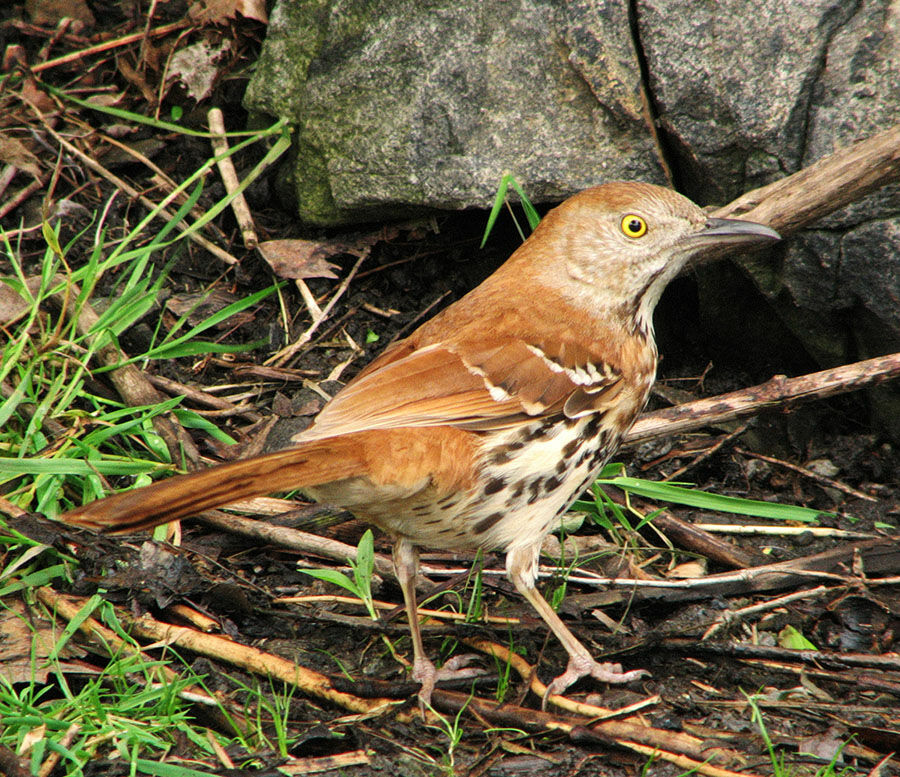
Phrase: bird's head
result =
(614, 248)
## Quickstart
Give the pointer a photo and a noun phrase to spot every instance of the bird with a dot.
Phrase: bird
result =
(482, 427)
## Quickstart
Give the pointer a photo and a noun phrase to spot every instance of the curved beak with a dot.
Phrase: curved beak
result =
(721, 230)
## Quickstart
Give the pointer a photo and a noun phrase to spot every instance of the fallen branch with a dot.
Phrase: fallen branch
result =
(824, 187)
(777, 392)
(877, 557)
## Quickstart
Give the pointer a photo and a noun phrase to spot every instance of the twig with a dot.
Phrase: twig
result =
(784, 531)
(229, 176)
(23, 194)
(6, 177)
(692, 537)
(315, 312)
(817, 658)
(174, 388)
(286, 353)
(706, 453)
(109, 45)
(161, 212)
(69, 607)
(253, 660)
(823, 187)
(290, 538)
(808, 473)
(778, 391)
(64, 743)
(130, 382)
(877, 556)
(731, 616)
(446, 615)
(624, 733)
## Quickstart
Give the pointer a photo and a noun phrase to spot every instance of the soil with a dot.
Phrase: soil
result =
(846, 693)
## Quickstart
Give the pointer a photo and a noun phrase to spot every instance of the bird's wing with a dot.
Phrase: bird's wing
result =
(478, 385)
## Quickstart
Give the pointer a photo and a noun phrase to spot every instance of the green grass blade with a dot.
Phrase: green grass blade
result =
(497, 207)
(666, 492)
(534, 218)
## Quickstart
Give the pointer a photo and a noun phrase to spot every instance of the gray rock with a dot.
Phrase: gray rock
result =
(406, 105)
(733, 83)
(747, 92)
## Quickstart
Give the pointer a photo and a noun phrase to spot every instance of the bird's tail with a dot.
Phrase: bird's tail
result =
(306, 465)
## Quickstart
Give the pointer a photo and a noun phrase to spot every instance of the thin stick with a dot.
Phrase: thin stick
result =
(424, 612)
(732, 615)
(286, 353)
(109, 45)
(131, 383)
(134, 193)
(824, 480)
(823, 187)
(229, 176)
(783, 531)
(253, 660)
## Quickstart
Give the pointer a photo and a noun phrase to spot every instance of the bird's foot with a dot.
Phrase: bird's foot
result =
(455, 668)
(584, 666)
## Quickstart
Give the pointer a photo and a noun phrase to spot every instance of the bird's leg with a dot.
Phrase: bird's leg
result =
(406, 567)
(521, 566)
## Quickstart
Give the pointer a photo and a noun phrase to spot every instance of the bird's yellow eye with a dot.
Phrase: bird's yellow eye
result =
(633, 225)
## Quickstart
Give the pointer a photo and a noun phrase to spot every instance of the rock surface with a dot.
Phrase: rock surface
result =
(408, 106)
(426, 105)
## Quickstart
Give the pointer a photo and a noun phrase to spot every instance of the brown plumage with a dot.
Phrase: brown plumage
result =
(482, 427)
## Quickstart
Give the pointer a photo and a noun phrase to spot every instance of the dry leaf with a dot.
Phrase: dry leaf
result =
(195, 66)
(14, 152)
(298, 259)
(32, 93)
(27, 641)
(689, 570)
(47, 13)
(199, 307)
(215, 11)
(302, 258)
(827, 745)
(12, 304)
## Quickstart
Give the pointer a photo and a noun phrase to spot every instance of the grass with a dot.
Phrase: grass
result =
(56, 343)
(125, 709)
(61, 439)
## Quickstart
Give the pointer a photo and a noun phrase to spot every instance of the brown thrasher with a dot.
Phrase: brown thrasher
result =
(481, 428)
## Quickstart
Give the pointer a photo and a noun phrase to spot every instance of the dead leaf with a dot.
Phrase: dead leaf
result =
(199, 307)
(14, 152)
(105, 100)
(299, 259)
(47, 13)
(689, 570)
(826, 745)
(195, 66)
(215, 11)
(28, 640)
(295, 258)
(12, 304)
(33, 94)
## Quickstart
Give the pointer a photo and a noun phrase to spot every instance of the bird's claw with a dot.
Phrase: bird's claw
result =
(585, 666)
(455, 668)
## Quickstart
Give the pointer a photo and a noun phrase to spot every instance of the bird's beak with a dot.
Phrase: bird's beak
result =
(722, 230)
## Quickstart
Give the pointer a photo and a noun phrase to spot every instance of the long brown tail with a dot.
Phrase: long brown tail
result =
(308, 464)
